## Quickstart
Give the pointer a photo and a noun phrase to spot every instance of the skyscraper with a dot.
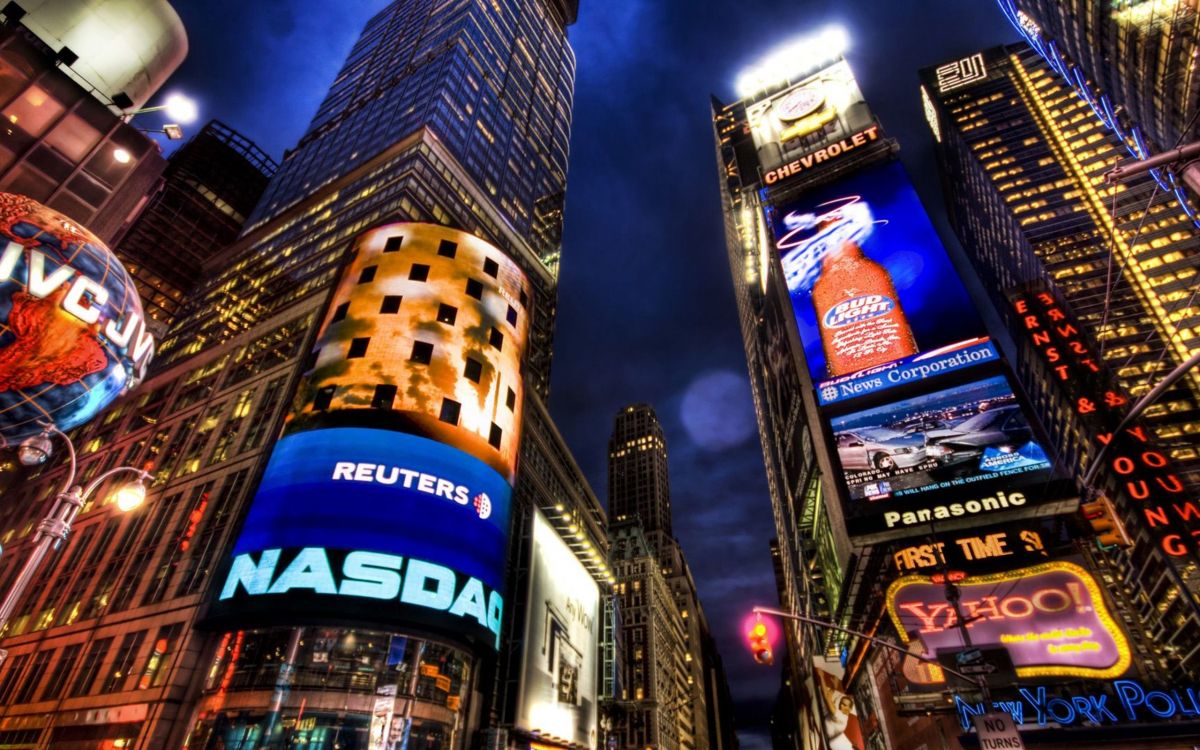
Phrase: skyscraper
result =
(639, 502)
(210, 186)
(638, 479)
(1020, 155)
(438, 162)
(1139, 55)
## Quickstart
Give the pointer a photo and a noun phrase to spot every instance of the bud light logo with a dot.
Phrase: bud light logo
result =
(857, 309)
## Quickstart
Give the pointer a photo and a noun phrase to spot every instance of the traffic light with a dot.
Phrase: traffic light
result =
(1110, 532)
(760, 647)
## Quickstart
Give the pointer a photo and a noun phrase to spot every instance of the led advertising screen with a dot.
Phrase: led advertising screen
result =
(387, 500)
(962, 452)
(72, 333)
(1051, 618)
(562, 641)
(871, 285)
(811, 123)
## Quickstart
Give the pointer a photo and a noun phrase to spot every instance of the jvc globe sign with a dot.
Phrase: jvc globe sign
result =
(72, 333)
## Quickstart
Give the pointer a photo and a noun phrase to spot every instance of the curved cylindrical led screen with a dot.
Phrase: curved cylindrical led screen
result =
(387, 500)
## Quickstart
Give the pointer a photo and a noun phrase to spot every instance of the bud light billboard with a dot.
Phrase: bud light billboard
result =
(876, 300)
(72, 333)
(387, 500)
(959, 456)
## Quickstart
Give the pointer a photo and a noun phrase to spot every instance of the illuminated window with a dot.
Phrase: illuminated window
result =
(447, 249)
(358, 348)
(422, 352)
(496, 339)
(419, 272)
(392, 244)
(391, 304)
(450, 410)
(339, 312)
(367, 275)
(474, 370)
(447, 314)
(491, 267)
(474, 289)
(385, 396)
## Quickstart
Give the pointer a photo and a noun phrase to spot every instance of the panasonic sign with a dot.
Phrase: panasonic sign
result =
(370, 575)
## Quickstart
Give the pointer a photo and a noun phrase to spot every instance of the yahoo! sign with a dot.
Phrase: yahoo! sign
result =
(1130, 702)
(1050, 617)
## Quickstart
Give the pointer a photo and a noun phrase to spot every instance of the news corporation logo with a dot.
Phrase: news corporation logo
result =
(428, 484)
(829, 393)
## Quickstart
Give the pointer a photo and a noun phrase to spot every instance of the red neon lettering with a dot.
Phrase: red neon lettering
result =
(1123, 465)
(1155, 459)
(1139, 433)
(1175, 487)
(1052, 354)
(1041, 337)
(1077, 348)
(1021, 306)
(1062, 372)
(1156, 516)
(1056, 314)
(1045, 298)
(1067, 331)
(1187, 511)
(1172, 546)
(1138, 490)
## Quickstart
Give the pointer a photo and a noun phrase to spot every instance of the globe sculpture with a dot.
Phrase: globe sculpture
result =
(72, 333)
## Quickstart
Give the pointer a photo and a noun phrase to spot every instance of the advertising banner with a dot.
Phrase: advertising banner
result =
(1051, 618)
(841, 725)
(1147, 477)
(871, 284)
(981, 549)
(812, 122)
(960, 456)
(72, 333)
(562, 641)
(387, 500)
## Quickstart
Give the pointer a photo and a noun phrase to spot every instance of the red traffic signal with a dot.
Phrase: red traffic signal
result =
(760, 647)
(1110, 532)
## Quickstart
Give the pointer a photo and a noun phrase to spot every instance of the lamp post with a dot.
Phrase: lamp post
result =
(54, 528)
(178, 108)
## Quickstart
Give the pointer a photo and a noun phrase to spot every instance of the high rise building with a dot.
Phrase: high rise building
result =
(1140, 56)
(397, 282)
(639, 496)
(64, 143)
(1022, 160)
(638, 479)
(908, 471)
(210, 186)
(655, 708)
(1021, 156)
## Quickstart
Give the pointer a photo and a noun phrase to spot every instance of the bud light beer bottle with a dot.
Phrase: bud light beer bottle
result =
(859, 314)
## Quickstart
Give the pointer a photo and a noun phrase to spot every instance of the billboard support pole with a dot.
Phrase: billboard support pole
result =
(979, 682)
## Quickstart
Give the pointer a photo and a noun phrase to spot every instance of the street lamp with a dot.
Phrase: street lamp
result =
(178, 108)
(54, 528)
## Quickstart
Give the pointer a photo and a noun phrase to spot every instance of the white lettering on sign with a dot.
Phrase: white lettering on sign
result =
(83, 298)
(966, 71)
(370, 575)
(1000, 501)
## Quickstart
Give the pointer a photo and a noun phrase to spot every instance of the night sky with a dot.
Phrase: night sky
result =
(646, 310)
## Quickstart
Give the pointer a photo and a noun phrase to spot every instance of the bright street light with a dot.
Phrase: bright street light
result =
(54, 528)
(181, 108)
(797, 57)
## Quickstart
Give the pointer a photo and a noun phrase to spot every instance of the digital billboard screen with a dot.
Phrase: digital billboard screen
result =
(1051, 618)
(869, 280)
(562, 643)
(387, 499)
(961, 451)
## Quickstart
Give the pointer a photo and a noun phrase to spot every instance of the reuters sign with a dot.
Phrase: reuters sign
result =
(72, 333)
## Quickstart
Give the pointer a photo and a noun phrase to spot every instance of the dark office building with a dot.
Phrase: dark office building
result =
(443, 140)
(638, 480)
(210, 185)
